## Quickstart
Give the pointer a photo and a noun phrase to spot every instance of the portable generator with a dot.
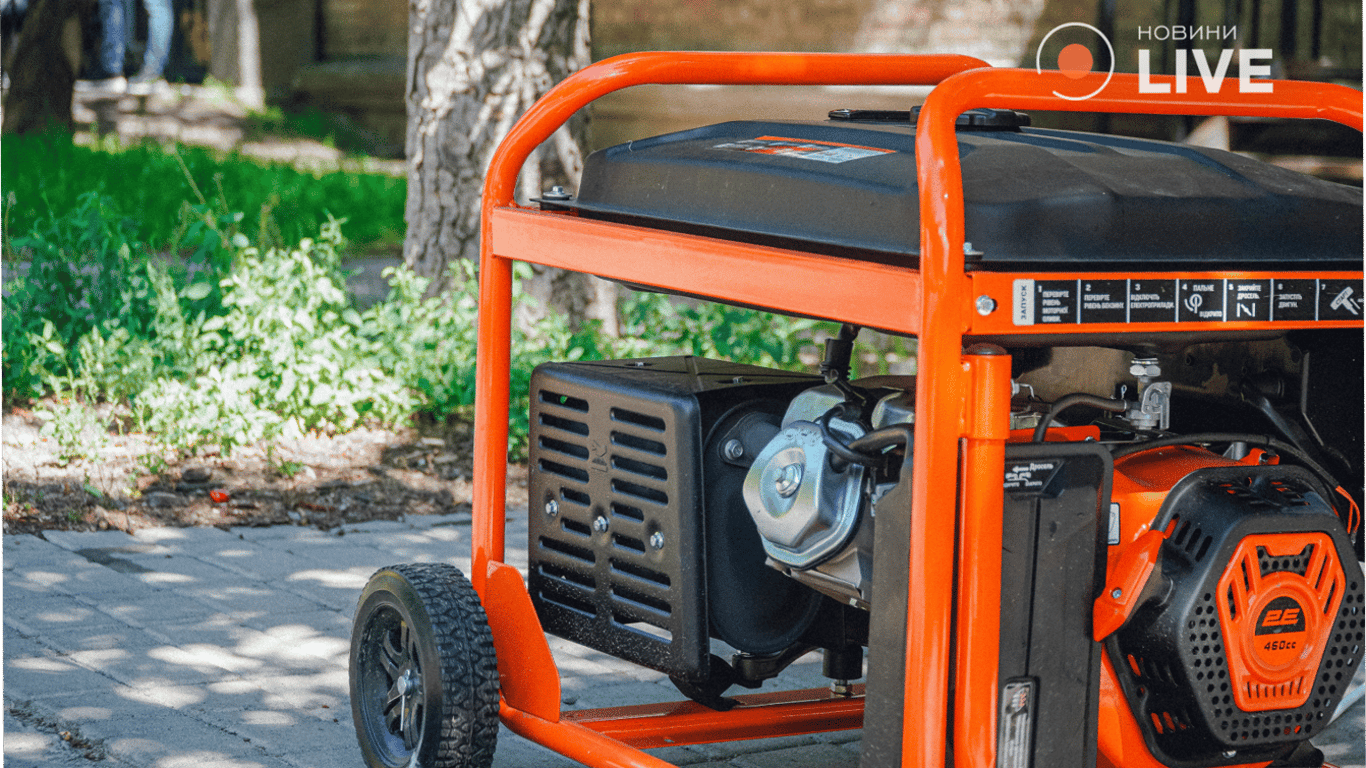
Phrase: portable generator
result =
(1113, 519)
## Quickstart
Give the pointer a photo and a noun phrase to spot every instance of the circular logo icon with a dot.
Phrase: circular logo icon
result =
(1075, 60)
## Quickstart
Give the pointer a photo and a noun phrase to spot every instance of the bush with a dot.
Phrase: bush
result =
(247, 345)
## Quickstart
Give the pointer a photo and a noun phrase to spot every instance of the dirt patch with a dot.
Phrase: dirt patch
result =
(316, 480)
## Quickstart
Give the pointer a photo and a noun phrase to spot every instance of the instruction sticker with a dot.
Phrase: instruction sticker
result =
(1185, 300)
(1030, 476)
(820, 151)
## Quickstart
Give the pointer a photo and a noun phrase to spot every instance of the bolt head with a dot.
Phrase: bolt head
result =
(733, 449)
(1117, 593)
(552, 508)
(657, 540)
(789, 480)
(600, 524)
(985, 305)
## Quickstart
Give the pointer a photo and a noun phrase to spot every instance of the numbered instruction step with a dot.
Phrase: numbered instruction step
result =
(1043, 302)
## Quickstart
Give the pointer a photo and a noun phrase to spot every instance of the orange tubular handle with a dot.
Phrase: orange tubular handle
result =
(946, 295)
(537, 125)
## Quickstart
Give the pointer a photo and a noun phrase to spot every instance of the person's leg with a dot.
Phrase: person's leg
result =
(159, 20)
(111, 51)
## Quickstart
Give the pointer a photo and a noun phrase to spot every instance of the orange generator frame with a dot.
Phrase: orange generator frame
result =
(953, 573)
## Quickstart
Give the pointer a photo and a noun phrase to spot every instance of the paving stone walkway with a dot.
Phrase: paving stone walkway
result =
(209, 648)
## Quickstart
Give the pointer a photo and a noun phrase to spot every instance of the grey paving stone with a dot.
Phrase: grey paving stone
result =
(249, 599)
(281, 733)
(726, 750)
(304, 692)
(680, 755)
(624, 694)
(30, 551)
(163, 665)
(176, 568)
(73, 639)
(53, 611)
(75, 540)
(516, 752)
(424, 522)
(806, 756)
(185, 540)
(34, 672)
(151, 607)
(33, 741)
(378, 526)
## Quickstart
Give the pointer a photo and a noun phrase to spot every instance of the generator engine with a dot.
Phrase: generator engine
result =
(677, 501)
(1181, 533)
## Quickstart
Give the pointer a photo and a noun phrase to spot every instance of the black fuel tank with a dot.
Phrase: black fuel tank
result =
(1043, 198)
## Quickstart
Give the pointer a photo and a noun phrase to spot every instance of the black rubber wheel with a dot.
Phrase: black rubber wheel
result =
(424, 677)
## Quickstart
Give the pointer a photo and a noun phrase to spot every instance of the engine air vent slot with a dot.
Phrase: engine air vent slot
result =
(639, 491)
(627, 511)
(566, 425)
(640, 600)
(642, 444)
(564, 401)
(566, 575)
(560, 446)
(575, 496)
(628, 543)
(568, 601)
(570, 473)
(568, 550)
(637, 572)
(639, 419)
(575, 527)
(653, 471)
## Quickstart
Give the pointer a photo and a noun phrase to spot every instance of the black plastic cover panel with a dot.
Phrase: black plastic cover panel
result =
(616, 533)
(1052, 570)
(1051, 199)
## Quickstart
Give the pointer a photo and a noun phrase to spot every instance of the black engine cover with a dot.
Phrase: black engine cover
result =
(618, 534)
(1175, 657)
(1056, 200)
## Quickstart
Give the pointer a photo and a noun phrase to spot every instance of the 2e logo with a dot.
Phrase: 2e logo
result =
(1280, 616)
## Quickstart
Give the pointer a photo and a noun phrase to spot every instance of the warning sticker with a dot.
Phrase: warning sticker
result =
(820, 151)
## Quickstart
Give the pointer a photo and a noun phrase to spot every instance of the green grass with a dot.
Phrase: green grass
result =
(148, 184)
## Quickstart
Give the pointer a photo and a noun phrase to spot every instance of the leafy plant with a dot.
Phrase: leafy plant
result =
(249, 344)
(75, 428)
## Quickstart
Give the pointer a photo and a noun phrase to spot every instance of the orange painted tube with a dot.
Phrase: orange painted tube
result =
(978, 633)
(495, 273)
(944, 319)
(577, 742)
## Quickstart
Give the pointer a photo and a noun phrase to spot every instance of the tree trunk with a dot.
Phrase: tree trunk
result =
(474, 66)
(45, 62)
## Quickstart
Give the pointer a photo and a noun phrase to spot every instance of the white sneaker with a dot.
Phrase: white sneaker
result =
(140, 86)
(107, 85)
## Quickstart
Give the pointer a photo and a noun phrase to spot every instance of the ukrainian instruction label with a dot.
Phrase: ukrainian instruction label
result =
(1184, 300)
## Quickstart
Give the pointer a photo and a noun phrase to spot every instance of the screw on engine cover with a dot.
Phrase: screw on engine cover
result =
(733, 449)
(552, 508)
(600, 524)
(556, 192)
(657, 540)
(1117, 593)
(985, 305)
